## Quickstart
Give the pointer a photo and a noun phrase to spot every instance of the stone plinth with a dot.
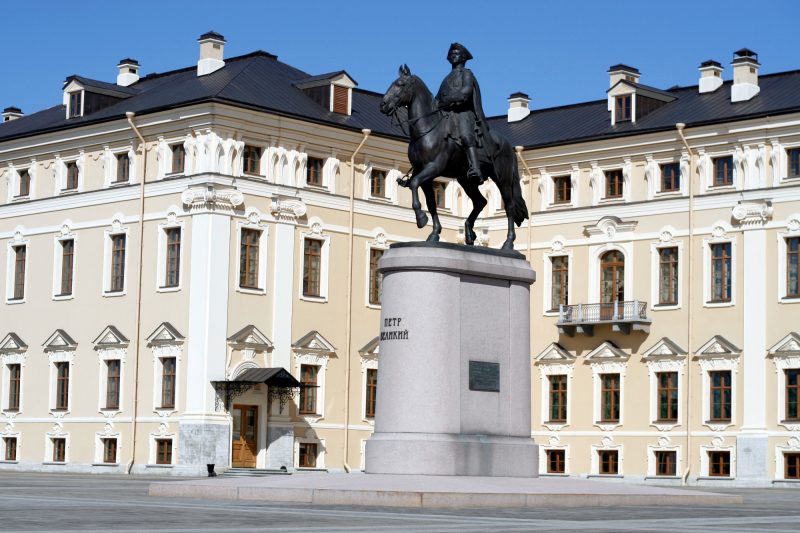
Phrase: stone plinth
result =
(455, 376)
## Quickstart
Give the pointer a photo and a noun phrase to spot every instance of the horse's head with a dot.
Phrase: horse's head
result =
(400, 93)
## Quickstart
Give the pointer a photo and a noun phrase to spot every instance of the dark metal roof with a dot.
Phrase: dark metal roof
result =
(273, 377)
(12, 109)
(128, 61)
(322, 77)
(212, 35)
(90, 84)
(518, 94)
(710, 63)
(626, 68)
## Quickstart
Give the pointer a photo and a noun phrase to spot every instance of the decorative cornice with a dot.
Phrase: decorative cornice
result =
(287, 208)
(212, 199)
(749, 214)
(609, 226)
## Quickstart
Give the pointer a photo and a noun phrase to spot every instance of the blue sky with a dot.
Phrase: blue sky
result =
(556, 51)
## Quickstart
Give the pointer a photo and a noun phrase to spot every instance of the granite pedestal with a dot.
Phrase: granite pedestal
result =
(455, 387)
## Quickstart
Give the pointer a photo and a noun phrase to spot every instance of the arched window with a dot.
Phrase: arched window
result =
(612, 283)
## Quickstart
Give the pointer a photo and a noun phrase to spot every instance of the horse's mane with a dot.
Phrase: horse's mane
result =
(418, 81)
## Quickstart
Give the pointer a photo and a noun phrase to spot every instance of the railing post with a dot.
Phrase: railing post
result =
(580, 312)
(636, 309)
(615, 316)
(561, 312)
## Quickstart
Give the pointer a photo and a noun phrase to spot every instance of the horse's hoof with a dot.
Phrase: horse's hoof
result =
(433, 237)
(422, 220)
(508, 245)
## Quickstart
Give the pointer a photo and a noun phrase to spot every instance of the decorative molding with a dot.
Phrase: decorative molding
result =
(555, 354)
(165, 334)
(110, 337)
(212, 199)
(718, 347)
(609, 226)
(59, 341)
(752, 214)
(287, 208)
(663, 349)
(11, 344)
(250, 337)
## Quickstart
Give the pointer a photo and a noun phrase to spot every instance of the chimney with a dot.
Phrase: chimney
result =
(518, 107)
(710, 76)
(745, 75)
(12, 113)
(212, 46)
(622, 72)
(128, 72)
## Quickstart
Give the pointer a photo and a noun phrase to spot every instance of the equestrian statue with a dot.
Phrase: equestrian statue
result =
(450, 137)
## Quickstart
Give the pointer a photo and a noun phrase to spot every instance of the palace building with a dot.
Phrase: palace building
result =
(190, 271)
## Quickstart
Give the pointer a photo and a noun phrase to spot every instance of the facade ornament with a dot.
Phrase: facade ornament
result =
(287, 208)
(609, 227)
(557, 246)
(666, 236)
(554, 440)
(212, 199)
(752, 213)
(607, 440)
(718, 232)
(793, 225)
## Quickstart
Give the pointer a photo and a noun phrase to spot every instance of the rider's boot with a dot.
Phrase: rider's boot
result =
(474, 170)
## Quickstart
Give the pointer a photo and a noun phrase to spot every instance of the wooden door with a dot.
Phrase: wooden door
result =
(612, 284)
(245, 440)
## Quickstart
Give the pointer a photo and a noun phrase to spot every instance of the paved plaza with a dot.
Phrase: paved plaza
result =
(49, 502)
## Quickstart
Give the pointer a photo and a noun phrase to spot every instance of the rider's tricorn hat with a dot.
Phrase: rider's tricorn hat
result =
(462, 48)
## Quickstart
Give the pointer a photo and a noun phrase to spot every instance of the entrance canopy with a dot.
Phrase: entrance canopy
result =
(281, 384)
(272, 377)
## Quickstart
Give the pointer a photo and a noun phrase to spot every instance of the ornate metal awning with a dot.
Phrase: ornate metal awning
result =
(281, 385)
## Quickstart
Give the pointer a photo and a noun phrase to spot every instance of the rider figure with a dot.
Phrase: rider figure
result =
(460, 98)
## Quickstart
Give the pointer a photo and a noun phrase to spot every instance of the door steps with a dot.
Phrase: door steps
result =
(253, 472)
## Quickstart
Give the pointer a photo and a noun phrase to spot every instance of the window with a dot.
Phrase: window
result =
(163, 451)
(372, 392)
(20, 254)
(720, 382)
(67, 266)
(110, 451)
(666, 463)
(614, 183)
(792, 270)
(624, 109)
(667, 396)
(609, 461)
(72, 176)
(612, 284)
(75, 104)
(312, 263)
(721, 272)
(24, 183)
(62, 386)
(314, 171)
(562, 190)
(609, 397)
(723, 171)
(794, 162)
(668, 276)
(307, 455)
(719, 464)
(439, 189)
(670, 177)
(559, 282)
(178, 158)
(340, 99)
(112, 383)
(556, 461)
(117, 263)
(15, 386)
(123, 168)
(168, 383)
(173, 257)
(791, 463)
(248, 258)
(11, 448)
(251, 159)
(558, 398)
(308, 390)
(375, 277)
(792, 393)
(377, 183)
(59, 450)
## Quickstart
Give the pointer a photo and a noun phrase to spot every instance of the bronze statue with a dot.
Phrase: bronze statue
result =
(451, 138)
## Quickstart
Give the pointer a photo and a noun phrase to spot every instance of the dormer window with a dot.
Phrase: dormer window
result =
(623, 108)
(333, 91)
(75, 101)
(341, 97)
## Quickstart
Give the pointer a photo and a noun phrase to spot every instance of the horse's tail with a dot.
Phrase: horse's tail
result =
(518, 209)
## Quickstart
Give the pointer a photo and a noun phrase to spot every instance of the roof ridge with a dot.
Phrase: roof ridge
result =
(244, 68)
(249, 55)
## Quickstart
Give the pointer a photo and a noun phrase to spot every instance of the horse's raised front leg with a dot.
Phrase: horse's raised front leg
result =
(418, 179)
(478, 203)
(430, 201)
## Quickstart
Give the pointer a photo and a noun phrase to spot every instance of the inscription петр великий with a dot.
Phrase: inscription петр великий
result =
(394, 334)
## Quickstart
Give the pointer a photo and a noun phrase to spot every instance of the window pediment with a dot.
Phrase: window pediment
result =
(165, 334)
(371, 349)
(607, 352)
(313, 342)
(250, 337)
(110, 337)
(555, 354)
(789, 346)
(719, 347)
(609, 226)
(11, 343)
(59, 341)
(664, 349)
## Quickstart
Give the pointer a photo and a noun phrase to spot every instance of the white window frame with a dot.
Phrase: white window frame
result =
(653, 176)
(117, 229)
(608, 445)
(320, 453)
(369, 361)
(63, 356)
(716, 445)
(110, 163)
(714, 364)
(547, 267)
(254, 222)
(315, 232)
(65, 235)
(392, 173)
(719, 236)
(160, 352)
(303, 356)
(706, 170)
(103, 356)
(99, 450)
(48, 447)
(597, 180)
(547, 187)
(667, 241)
(326, 178)
(61, 173)
(378, 244)
(17, 358)
(9, 434)
(656, 365)
(18, 240)
(783, 361)
(13, 174)
(792, 231)
(664, 445)
(556, 445)
(153, 454)
(238, 159)
(161, 265)
(595, 253)
(792, 446)
(599, 369)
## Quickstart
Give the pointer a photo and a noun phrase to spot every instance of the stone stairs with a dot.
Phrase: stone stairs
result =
(253, 472)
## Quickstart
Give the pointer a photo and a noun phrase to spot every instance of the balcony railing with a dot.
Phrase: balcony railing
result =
(623, 317)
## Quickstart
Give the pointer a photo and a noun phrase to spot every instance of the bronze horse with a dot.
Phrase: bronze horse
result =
(432, 153)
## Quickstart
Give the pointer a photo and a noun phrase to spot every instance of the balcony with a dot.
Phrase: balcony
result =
(624, 317)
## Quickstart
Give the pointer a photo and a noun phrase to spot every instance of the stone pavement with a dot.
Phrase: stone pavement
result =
(50, 502)
(432, 492)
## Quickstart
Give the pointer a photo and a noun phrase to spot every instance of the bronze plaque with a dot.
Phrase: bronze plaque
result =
(484, 376)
